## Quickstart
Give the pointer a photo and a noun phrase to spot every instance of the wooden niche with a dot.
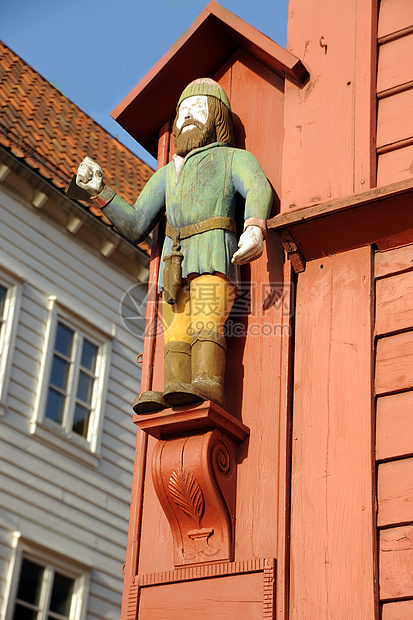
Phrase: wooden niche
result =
(209, 503)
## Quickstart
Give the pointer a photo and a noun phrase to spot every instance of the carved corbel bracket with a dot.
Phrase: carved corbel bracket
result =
(194, 471)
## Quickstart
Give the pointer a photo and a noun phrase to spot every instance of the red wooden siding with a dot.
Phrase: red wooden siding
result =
(394, 434)
(332, 505)
(395, 91)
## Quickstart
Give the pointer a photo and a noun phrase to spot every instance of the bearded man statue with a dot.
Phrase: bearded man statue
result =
(200, 277)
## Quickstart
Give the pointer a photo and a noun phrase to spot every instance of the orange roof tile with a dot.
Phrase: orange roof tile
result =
(41, 126)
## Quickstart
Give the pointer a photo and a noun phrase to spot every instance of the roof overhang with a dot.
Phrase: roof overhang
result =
(382, 216)
(200, 52)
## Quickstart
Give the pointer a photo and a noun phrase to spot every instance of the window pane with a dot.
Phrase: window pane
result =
(3, 293)
(31, 576)
(24, 613)
(62, 594)
(89, 355)
(60, 371)
(54, 406)
(85, 387)
(81, 420)
(64, 339)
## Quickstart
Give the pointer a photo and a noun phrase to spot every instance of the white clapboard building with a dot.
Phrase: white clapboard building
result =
(68, 369)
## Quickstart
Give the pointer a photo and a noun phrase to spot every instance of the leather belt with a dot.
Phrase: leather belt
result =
(213, 223)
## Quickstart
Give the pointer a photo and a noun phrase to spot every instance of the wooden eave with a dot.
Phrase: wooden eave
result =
(211, 40)
(106, 232)
(381, 216)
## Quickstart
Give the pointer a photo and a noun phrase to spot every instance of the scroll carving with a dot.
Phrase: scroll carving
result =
(195, 480)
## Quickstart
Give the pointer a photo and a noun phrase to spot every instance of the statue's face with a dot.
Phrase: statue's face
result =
(193, 126)
(192, 109)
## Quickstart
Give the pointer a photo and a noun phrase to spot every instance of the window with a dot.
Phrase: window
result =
(44, 586)
(10, 294)
(74, 372)
(73, 381)
(43, 593)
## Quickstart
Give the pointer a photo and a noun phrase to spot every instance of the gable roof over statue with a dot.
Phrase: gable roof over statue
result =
(200, 52)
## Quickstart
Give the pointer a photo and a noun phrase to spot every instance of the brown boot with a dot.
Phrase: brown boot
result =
(177, 375)
(208, 365)
(149, 402)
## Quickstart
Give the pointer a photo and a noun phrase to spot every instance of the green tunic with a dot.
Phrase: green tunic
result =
(203, 185)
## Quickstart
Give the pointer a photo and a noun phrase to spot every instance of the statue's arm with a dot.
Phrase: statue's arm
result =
(250, 181)
(133, 221)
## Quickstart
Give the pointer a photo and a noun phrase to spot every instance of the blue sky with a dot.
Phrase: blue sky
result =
(95, 52)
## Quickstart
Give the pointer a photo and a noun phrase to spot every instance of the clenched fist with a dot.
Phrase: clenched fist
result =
(90, 177)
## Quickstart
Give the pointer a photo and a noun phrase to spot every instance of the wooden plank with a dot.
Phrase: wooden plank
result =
(252, 83)
(332, 540)
(395, 166)
(345, 160)
(389, 196)
(394, 118)
(395, 65)
(369, 217)
(396, 561)
(16, 496)
(402, 610)
(394, 420)
(395, 492)
(232, 598)
(394, 363)
(76, 479)
(393, 261)
(310, 116)
(394, 303)
(394, 15)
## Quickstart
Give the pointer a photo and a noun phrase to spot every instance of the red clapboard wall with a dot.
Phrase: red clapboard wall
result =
(394, 429)
(395, 91)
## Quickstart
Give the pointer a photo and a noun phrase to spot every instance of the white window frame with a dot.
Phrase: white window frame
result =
(8, 331)
(52, 562)
(60, 435)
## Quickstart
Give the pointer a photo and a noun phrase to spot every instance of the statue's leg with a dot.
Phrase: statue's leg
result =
(177, 366)
(212, 298)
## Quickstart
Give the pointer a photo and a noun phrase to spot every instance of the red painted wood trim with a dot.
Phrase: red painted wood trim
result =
(332, 207)
(284, 449)
(395, 90)
(394, 146)
(217, 570)
(205, 416)
(206, 571)
(351, 222)
(404, 32)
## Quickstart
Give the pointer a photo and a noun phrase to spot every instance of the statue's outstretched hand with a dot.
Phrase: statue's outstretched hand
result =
(90, 177)
(250, 246)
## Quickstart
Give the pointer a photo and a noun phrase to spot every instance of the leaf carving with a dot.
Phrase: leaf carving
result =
(187, 494)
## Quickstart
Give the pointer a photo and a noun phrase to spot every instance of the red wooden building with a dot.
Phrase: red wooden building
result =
(307, 479)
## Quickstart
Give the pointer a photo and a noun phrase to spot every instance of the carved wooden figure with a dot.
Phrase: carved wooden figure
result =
(201, 276)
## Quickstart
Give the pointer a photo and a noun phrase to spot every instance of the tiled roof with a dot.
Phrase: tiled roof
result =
(41, 126)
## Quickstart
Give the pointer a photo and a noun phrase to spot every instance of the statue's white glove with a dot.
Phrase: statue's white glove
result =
(90, 177)
(250, 245)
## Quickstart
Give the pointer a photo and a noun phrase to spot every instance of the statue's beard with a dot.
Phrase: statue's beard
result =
(194, 138)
